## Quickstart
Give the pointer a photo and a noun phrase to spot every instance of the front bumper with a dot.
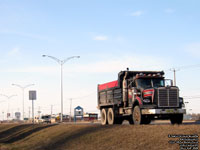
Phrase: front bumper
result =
(162, 111)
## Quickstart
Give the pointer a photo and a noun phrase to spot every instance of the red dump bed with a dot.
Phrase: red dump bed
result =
(108, 85)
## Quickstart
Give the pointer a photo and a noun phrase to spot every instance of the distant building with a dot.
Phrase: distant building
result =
(90, 116)
(17, 115)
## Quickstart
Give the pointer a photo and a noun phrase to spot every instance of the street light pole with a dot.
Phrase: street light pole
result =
(61, 63)
(8, 97)
(70, 109)
(61, 115)
(22, 88)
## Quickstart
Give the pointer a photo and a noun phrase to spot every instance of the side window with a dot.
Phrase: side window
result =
(133, 84)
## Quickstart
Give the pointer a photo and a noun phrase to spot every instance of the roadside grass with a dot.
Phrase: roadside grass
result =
(90, 137)
(6, 126)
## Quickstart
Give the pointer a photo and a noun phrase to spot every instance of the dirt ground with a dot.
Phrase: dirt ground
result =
(94, 136)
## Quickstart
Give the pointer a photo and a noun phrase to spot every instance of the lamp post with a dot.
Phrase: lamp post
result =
(23, 88)
(8, 97)
(70, 109)
(61, 63)
(2, 111)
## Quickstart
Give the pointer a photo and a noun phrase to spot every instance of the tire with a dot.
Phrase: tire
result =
(137, 117)
(103, 117)
(111, 116)
(176, 119)
(146, 120)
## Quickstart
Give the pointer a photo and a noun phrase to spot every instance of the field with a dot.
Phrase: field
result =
(91, 137)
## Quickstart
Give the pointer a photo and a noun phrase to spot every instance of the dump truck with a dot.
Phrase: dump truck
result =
(139, 97)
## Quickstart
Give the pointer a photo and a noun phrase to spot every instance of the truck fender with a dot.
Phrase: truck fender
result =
(137, 101)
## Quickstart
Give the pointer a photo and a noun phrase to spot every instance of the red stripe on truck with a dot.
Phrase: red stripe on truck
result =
(151, 90)
(139, 100)
(108, 85)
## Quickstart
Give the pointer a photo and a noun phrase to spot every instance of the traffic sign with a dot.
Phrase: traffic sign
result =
(32, 95)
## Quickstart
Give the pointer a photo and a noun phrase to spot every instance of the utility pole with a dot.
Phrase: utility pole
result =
(186, 104)
(174, 71)
(29, 112)
(39, 111)
(51, 110)
(3, 115)
(70, 109)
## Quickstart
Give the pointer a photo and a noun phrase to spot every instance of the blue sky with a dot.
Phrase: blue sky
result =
(108, 35)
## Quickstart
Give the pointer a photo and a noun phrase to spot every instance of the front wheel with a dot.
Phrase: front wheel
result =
(137, 117)
(176, 119)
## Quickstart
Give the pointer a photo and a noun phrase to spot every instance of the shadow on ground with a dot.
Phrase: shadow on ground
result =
(66, 138)
(20, 132)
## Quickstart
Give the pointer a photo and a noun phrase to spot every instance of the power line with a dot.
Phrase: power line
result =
(82, 97)
(191, 97)
(184, 67)
(175, 69)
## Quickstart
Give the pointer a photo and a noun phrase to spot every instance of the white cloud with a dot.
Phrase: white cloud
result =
(137, 13)
(169, 10)
(193, 49)
(14, 51)
(101, 38)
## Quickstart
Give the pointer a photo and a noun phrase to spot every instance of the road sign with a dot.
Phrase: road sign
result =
(32, 95)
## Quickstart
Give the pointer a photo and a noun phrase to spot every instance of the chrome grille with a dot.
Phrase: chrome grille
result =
(168, 97)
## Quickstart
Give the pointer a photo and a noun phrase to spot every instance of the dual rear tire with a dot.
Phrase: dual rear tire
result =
(104, 117)
(108, 117)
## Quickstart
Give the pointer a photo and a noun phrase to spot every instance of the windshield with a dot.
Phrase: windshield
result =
(149, 83)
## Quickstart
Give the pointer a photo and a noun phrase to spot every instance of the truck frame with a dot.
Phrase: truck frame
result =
(139, 97)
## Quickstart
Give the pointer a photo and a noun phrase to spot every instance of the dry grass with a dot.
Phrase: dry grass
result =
(90, 137)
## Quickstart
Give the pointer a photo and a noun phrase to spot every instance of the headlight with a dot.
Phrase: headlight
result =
(146, 100)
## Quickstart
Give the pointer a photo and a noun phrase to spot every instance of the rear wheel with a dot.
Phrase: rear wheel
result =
(111, 116)
(103, 117)
(137, 117)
